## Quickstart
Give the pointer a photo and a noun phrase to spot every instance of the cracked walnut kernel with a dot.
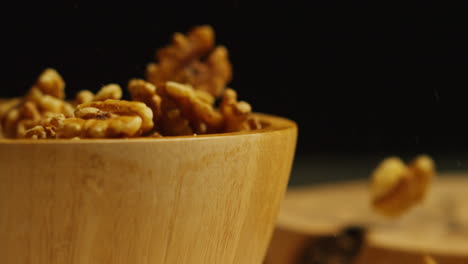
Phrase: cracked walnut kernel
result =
(124, 108)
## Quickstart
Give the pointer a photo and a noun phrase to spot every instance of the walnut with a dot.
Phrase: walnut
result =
(48, 94)
(84, 96)
(173, 123)
(211, 75)
(51, 83)
(423, 170)
(118, 126)
(99, 115)
(92, 113)
(7, 104)
(10, 122)
(19, 119)
(167, 117)
(30, 111)
(181, 61)
(124, 108)
(199, 113)
(103, 119)
(145, 92)
(236, 114)
(37, 132)
(47, 127)
(9, 116)
(110, 91)
(253, 123)
(397, 187)
(182, 110)
(29, 116)
(45, 96)
(205, 97)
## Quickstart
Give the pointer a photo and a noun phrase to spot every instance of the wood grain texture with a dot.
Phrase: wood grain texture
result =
(287, 246)
(204, 199)
(438, 227)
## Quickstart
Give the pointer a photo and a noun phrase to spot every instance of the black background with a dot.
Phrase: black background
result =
(356, 78)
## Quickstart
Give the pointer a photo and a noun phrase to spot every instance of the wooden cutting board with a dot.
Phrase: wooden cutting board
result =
(438, 227)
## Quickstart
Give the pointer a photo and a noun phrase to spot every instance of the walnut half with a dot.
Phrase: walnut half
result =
(193, 59)
(397, 187)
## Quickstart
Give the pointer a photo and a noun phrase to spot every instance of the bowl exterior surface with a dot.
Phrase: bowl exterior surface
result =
(211, 199)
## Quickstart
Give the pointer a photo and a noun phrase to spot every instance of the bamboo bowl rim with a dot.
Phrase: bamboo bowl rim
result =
(273, 124)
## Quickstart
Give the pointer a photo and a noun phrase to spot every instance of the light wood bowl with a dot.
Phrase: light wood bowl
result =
(437, 227)
(198, 199)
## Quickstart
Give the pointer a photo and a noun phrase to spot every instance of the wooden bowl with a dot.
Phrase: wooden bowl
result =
(197, 199)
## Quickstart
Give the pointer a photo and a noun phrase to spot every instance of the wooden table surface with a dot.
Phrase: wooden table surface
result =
(439, 226)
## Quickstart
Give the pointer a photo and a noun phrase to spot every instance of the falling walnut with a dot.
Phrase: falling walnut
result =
(182, 62)
(397, 187)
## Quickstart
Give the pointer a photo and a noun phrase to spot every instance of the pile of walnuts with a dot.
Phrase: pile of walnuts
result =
(184, 94)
